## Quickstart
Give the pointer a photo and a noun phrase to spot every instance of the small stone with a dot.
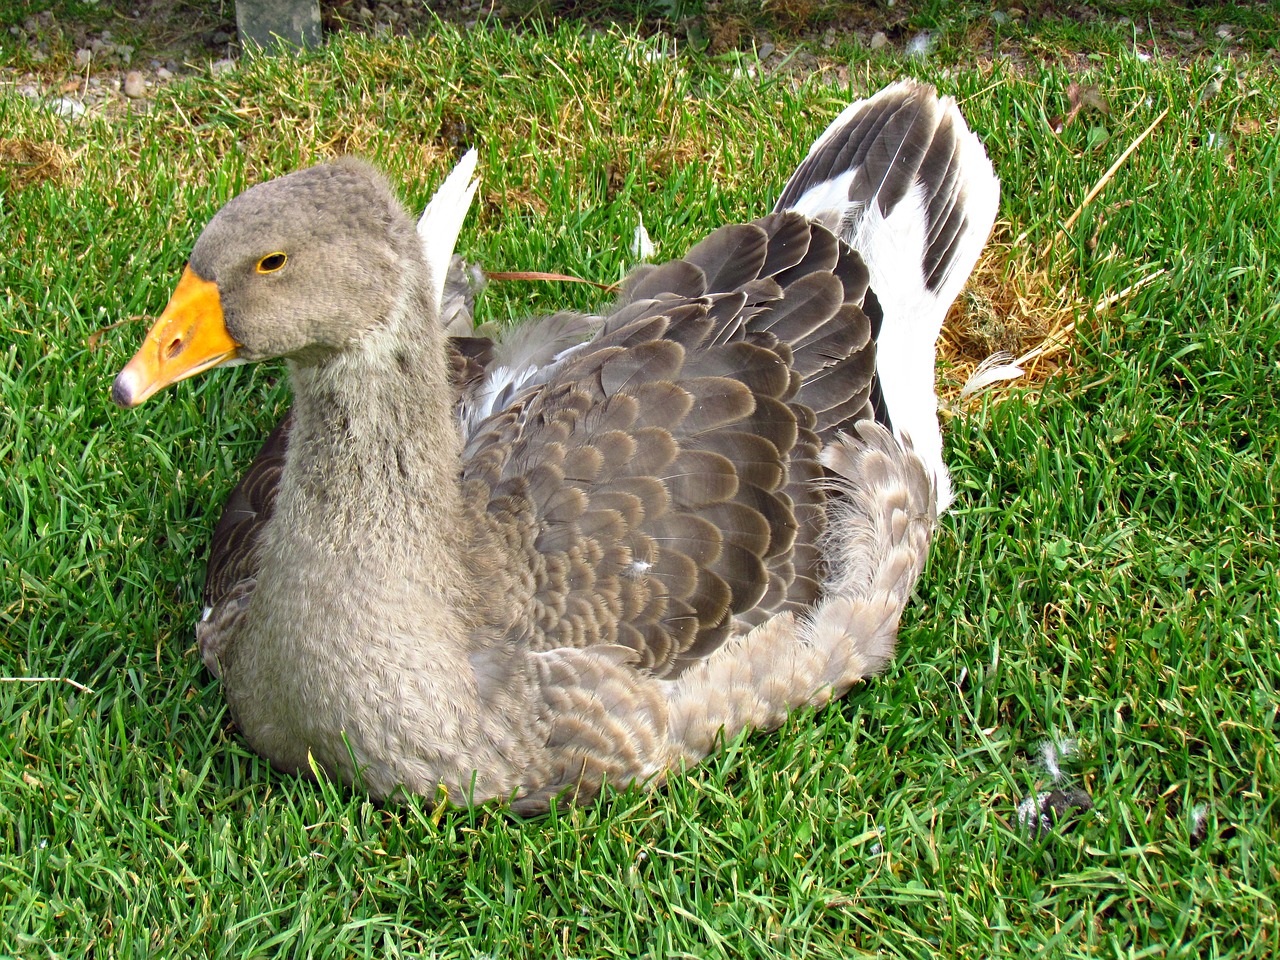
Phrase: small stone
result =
(999, 18)
(221, 36)
(765, 51)
(67, 108)
(83, 57)
(219, 67)
(164, 73)
(135, 85)
(879, 41)
(1224, 31)
(829, 39)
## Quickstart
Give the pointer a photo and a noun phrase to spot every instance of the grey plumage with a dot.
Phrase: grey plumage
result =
(659, 407)
(569, 559)
(462, 283)
(900, 179)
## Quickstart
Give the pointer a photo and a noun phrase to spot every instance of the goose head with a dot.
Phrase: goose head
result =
(303, 267)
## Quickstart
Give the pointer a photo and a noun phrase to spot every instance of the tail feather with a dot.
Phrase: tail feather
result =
(901, 179)
(876, 546)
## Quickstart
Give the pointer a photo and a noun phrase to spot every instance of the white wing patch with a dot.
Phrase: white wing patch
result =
(530, 356)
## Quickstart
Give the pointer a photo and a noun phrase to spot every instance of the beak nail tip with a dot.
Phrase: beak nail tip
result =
(121, 393)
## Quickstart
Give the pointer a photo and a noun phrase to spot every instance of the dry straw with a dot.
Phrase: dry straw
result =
(1017, 302)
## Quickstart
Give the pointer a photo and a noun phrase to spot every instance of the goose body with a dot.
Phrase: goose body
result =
(529, 568)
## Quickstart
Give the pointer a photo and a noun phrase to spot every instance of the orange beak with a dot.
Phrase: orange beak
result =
(188, 338)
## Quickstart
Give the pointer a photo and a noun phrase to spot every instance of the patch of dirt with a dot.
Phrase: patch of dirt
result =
(112, 59)
(117, 53)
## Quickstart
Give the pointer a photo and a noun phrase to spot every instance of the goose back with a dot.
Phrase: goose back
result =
(658, 484)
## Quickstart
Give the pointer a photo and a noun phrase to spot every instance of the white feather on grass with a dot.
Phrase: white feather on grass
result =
(998, 367)
(641, 246)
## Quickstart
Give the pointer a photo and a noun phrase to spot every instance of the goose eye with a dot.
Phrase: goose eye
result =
(272, 262)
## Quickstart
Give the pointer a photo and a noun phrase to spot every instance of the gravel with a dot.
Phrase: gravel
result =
(135, 85)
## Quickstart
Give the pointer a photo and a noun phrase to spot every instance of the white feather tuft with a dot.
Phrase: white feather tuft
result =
(1052, 753)
(441, 221)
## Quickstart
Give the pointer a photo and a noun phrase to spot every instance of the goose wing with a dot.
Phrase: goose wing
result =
(657, 483)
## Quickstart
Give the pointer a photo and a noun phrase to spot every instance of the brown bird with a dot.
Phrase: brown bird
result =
(528, 568)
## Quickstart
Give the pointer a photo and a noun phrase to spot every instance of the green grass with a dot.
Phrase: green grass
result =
(1109, 572)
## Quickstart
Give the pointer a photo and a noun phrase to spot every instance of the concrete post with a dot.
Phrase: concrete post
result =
(269, 23)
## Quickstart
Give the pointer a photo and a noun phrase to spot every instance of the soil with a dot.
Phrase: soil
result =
(111, 56)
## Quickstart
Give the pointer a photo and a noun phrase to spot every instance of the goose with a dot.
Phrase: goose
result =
(582, 554)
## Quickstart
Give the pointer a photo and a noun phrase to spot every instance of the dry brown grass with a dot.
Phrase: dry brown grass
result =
(1011, 303)
(27, 162)
(503, 200)
(1016, 303)
(664, 159)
